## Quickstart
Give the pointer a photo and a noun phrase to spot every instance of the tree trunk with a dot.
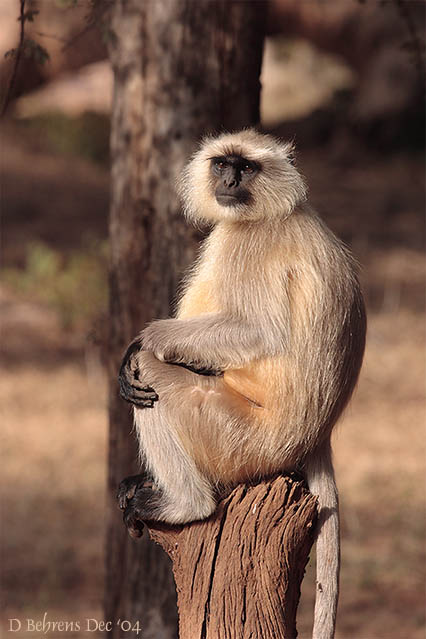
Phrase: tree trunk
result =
(182, 69)
(238, 574)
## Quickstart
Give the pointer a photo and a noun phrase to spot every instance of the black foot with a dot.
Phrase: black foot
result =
(131, 388)
(139, 499)
(128, 487)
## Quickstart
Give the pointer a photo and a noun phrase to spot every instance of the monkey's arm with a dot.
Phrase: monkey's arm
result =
(211, 341)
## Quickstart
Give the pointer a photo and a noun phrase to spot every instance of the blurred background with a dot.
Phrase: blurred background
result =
(346, 82)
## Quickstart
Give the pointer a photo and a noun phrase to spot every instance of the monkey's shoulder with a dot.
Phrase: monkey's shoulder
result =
(199, 298)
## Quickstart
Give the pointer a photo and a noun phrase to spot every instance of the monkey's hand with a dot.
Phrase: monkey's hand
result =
(208, 372)
(138, 497)
(131, 388)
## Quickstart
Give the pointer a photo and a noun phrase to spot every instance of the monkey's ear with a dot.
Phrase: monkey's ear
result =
(291, 152)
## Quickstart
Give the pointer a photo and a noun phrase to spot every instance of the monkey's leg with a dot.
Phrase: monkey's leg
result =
(196, 435)
(182, 493)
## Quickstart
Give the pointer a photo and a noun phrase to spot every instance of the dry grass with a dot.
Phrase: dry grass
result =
(53, 490)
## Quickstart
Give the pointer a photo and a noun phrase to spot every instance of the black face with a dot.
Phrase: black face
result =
(233, 174)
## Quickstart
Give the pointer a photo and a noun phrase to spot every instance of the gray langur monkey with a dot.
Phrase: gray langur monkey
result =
(251, 375)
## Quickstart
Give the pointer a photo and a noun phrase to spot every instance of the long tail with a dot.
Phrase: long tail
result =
(320, 478)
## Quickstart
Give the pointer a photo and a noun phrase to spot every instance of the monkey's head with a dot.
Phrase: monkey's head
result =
(246, 176)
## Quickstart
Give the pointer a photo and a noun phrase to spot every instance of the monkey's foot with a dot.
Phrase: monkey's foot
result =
(142, 506)
(128, 487)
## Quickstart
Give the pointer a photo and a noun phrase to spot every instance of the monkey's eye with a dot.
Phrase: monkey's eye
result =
(247, 168)
(219, 164)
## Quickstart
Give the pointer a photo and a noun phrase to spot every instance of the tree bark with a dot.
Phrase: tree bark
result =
(182, 68)
(238, 574)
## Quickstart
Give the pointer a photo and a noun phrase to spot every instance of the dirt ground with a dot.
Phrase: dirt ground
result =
(53, 399)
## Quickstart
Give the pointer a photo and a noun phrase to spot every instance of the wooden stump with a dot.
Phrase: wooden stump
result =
(238, 573)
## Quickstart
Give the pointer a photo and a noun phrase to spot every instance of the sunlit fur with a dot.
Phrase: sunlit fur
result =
(279, 187)
(274, 302)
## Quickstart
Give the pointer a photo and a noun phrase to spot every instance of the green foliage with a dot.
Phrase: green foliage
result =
(86, 135)
(66, 4)
(28, 15)
(30, 49)
(75, 286)
(35, 51)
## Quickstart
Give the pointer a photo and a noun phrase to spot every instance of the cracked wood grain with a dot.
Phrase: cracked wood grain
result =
(238, 574)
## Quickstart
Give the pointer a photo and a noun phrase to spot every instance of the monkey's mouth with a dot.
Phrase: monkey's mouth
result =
(229, 200)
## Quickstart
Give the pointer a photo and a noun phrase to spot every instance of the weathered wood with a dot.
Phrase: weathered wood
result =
(182, 68)
(238, 574)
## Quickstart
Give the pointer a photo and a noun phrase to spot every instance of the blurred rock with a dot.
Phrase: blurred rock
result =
(384, 44)
(297, 78)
